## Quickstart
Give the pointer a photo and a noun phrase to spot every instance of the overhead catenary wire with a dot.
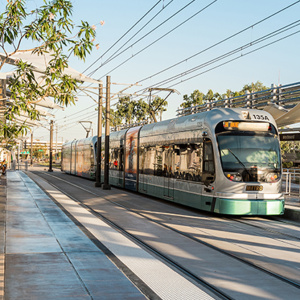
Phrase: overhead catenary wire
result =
(220, 42)
(123, 35)
(111, 57)
(234, 51)
(173, 78)
(204, 50)
(188, 19)
(243, 30)
(242, 55)
(227, 39)
(140, 39)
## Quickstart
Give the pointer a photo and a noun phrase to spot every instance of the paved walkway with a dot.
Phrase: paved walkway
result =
(47, 256)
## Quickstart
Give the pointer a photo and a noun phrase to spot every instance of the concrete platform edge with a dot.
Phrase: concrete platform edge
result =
(291, 213)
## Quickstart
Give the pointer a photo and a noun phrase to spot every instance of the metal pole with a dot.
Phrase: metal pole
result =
(31, 149)
(2, 96)
(56, 131)
(106, 185)
(51, 145)
(99, 135)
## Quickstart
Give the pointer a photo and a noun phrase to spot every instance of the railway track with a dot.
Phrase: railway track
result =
(165, 223)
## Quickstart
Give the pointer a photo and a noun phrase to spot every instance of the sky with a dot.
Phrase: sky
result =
(277, 63)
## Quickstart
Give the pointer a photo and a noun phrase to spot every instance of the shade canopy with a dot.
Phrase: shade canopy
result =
(39, 64)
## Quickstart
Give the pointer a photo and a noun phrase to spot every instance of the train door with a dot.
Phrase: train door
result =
(73, 158)
(142, 167)
(208, 175)
(147, 166)
(121, 164)
(168, 172)
(131, 158)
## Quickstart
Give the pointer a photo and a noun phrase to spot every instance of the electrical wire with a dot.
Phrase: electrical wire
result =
(242, 55)
(238, 49)
(148, 33)
(188, 19)
(214, 60)
(220, 42)
(123, 35)
(111, 57)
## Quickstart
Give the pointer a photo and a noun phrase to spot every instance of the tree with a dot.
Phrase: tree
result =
(130, 111)
(126, 109)
(115, 119)
(51, 31)
(230, 94)
(253, 87)
(158, 106)
(39, 150)
(141, 110)
(196, 98)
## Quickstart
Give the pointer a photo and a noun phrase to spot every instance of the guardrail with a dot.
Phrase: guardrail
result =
(291, 181)
(284, 95)
(17, 165)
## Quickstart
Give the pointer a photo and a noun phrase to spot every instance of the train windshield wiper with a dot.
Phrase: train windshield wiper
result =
(240, 162)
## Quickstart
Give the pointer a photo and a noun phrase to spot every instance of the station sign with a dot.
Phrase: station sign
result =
(289, 137)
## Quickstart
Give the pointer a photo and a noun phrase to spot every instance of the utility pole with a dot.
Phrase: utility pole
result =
(106, 185)
(31, 149)
(2, 99)
(99, 135)
(51, 145)
(56, 131)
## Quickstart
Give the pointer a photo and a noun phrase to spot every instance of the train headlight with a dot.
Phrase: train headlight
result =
(234, 176)
(272, 177)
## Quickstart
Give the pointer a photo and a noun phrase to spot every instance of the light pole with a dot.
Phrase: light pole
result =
(99, 134)
(106, 185)
(51, 145)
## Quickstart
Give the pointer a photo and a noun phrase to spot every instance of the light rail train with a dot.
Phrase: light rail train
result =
(226, 160)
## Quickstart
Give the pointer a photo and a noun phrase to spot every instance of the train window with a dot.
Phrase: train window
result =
(147, 160)
(250, 156)
(114, 158)
(158, 165)
(188, 162)
(208, 162)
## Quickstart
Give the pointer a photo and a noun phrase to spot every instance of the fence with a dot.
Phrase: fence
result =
(291, 181)
(19, 165)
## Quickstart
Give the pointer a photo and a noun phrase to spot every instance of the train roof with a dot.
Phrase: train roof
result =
(89, 140)
(209, 118)
(186, 127)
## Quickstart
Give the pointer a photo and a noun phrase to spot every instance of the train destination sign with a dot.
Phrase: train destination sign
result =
(254, 188)
(246, 126)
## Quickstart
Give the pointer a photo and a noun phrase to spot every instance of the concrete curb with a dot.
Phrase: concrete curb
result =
(292, 213)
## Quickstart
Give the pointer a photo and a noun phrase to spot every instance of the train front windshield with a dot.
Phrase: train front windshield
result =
(250, 156)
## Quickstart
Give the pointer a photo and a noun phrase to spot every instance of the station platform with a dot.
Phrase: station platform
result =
(53, 248)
